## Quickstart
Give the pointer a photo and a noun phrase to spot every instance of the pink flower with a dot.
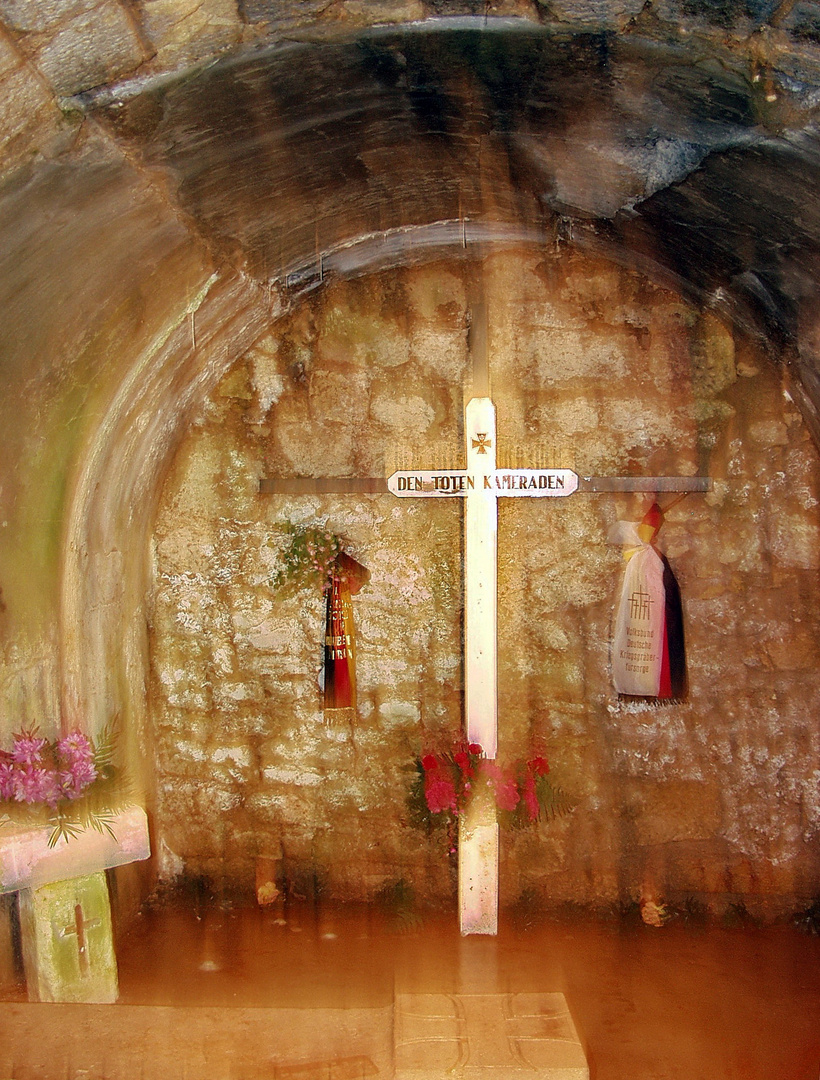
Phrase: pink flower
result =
(33, 784)
(50, 791)
(75, 747)
(27, 775)
(440, 795)
(505, 788)
(77, 778)
(27, 750)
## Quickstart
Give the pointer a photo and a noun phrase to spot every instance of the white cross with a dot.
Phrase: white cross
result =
(481, 484)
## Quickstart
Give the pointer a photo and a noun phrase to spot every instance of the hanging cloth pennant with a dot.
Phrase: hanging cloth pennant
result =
(648, 656)
(346, 579)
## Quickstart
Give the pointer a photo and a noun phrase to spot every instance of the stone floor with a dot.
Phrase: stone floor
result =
(238, 995)
(494, 1036)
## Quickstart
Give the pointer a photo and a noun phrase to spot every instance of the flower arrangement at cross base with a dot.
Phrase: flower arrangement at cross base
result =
(70, 783)
(445, 782)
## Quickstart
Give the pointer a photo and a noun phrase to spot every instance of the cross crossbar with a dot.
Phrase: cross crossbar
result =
(379, 485)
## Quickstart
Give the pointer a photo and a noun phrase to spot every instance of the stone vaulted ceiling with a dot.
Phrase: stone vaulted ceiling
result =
(301, 139)
(688, 149)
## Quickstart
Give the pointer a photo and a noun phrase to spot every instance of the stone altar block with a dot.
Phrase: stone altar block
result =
(68, 946)
(486, 1037)
(27, 862)
(65, 914)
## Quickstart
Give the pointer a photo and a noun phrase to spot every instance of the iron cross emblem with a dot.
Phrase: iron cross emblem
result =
(481, 443)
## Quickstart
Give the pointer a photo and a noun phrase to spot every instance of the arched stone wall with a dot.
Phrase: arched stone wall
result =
(122, 244)
(709, 801)
(115, 322)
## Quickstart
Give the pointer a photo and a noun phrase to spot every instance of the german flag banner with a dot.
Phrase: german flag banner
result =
(346, 579)
(648, 655)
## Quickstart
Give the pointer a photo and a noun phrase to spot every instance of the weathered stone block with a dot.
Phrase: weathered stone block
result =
(185, 30)
(283, 13)
(194, 802)
(68, 945)
(797, 652)
(91, 48)
(769, 432)
(794, 540)
(399, 714)
(231, 693)
(367, 12)
(713, 354)
(481, 1035)
(29, 120)
(683, 810)
(28, 862)
(311, 449)
(289, 772)
(26, 16)
(406, 417)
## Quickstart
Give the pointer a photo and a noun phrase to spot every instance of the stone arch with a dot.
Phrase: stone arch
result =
(691, 189)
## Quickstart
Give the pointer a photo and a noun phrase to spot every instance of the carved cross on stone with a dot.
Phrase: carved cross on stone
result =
(79, 927)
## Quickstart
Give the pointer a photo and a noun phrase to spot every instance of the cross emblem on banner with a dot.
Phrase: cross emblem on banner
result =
(481, 484)
(639, 603)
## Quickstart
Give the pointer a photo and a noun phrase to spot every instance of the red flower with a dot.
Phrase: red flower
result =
(490, 769)
(440, 795)
(539, 765)
(463, 761)
(429, 761)
(506, 795)
(505, 788)
(475, 748)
